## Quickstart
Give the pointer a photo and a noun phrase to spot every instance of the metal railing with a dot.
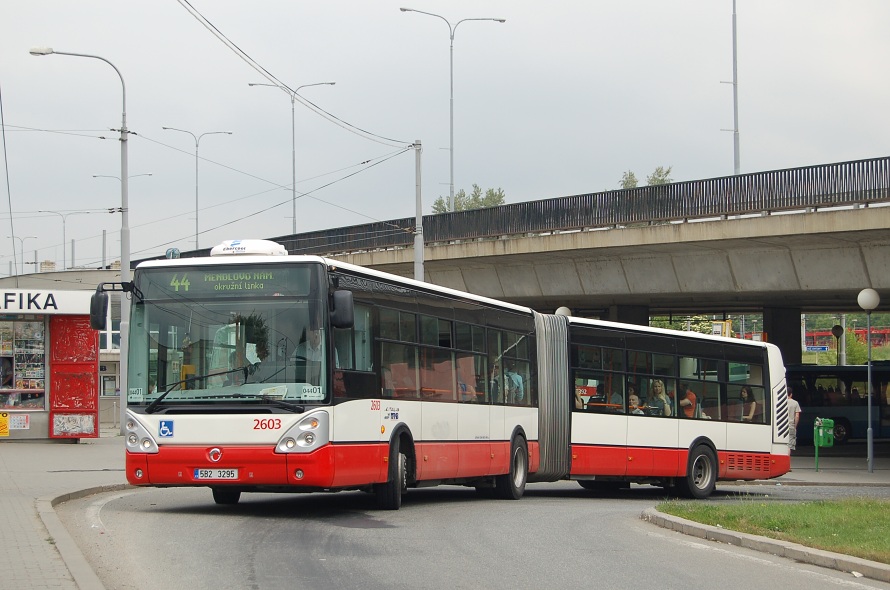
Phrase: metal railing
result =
(855, 183)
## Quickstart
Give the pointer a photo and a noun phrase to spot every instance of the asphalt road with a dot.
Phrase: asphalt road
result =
(557, 536)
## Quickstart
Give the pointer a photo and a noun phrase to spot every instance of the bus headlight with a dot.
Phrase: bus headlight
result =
(139, 439)
(310, 433)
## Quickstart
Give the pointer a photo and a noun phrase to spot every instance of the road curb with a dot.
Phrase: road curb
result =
(799, 483)
(78, 566)
(845, 563)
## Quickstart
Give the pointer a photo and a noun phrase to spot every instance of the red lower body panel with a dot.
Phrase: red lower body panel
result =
(328, 467)
(332, 466)
(655, 462)
(738, 465)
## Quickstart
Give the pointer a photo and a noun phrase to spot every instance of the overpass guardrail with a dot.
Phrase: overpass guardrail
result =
(857, 183)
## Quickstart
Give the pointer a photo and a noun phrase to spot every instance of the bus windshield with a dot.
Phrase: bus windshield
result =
(228, 336)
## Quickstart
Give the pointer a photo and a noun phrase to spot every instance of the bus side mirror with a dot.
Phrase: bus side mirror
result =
(98, 309)
(343, 312)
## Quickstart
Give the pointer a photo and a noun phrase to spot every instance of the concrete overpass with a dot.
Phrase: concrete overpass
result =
(782, 242)
(782, 265)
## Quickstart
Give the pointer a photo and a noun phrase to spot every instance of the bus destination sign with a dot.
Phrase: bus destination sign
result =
(291, 281)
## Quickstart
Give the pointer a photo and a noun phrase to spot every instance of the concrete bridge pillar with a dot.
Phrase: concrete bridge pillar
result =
(629, 314)
(782, 327)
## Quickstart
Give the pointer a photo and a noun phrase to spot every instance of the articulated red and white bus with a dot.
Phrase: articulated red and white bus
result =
(255, 371)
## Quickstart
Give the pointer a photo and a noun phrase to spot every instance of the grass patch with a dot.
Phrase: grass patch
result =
(853, 526)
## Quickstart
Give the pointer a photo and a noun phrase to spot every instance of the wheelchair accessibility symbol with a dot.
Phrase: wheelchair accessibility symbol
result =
(165, 429)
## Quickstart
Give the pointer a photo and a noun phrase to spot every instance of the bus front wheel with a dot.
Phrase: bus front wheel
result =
(389, 494)
(511, 486)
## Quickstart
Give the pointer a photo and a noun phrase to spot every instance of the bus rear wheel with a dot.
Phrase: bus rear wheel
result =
(701, 473)
(511, 486)
(389, 494)
(226, 495)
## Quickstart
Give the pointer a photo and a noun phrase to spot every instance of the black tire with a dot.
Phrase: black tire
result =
(511, 486)
(389, 494)
(841, 431)
(226, 495)
(701, 473)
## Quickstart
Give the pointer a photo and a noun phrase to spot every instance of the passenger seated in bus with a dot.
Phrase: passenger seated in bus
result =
(633, 404)
(688, 401)
(658, 401)
(749, 405)
(632, 390)
(579, 401)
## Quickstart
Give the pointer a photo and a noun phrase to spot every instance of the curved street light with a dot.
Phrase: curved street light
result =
(22, 248)
(118, 177)
(451, 30)
(64, 217)
(293, 132)
(197, 139)
(125, 223)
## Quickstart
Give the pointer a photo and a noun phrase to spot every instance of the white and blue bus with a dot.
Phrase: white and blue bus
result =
(840, 392)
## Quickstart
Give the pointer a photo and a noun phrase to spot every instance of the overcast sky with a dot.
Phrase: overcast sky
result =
(560, 100)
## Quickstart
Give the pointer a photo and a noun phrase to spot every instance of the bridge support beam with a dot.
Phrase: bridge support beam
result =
(782, 327)
(629, 314)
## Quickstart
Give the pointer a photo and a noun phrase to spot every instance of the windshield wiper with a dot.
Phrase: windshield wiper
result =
(247, 369)
(273, 401)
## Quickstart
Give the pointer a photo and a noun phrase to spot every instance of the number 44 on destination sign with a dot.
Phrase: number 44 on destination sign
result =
(176, 282)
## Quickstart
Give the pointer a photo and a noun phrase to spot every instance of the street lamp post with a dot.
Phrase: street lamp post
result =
(22, 249)
(293, 135)
(64, 217)
(451, 30)
(125, 224)
(197, 143)
(868, 300)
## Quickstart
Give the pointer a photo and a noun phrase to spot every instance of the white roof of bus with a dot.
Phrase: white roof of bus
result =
(303, 258)
(667, 332)
(209, 261)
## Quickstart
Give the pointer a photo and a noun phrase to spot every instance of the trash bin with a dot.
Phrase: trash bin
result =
(823, 432)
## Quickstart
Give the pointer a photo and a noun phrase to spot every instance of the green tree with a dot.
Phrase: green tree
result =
(857, 351)
(475, 200)
(661, 175)
(694, 323)
(628, 180)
